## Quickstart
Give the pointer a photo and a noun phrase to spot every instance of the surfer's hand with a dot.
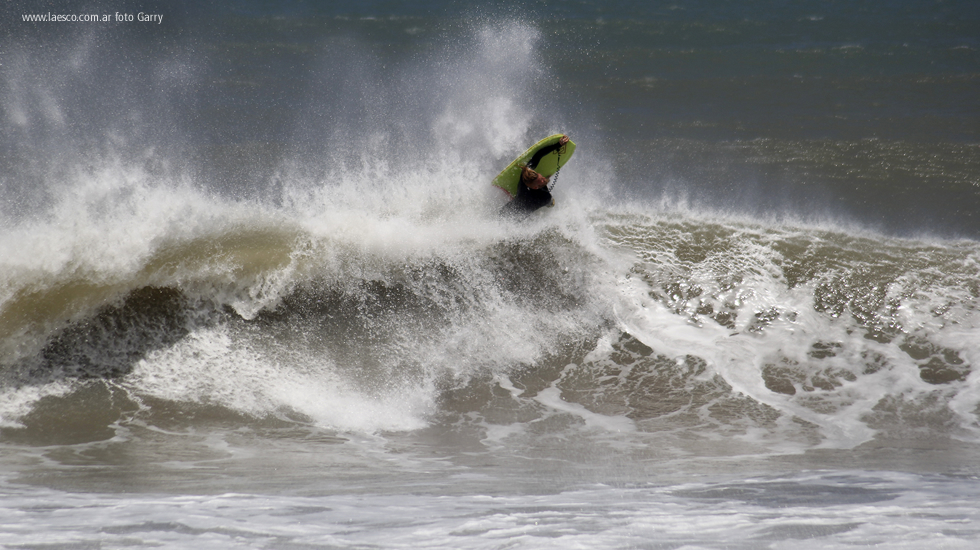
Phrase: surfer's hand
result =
(563, 140)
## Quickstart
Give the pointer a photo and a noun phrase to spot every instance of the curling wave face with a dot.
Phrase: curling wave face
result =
(772, 336)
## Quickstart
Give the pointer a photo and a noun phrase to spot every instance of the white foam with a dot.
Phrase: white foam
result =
(212, 367)
(551, 398)
(825, 510)
(741, 354)
(15, 402)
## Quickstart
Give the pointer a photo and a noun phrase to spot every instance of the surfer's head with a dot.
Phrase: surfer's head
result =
(532, 179)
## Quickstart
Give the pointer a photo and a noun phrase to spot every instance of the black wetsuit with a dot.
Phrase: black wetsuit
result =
(528, 200)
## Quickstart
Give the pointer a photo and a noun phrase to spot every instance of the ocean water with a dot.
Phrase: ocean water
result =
(255, 293)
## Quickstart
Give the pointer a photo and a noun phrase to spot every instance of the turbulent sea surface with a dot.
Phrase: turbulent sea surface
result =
(255, 293)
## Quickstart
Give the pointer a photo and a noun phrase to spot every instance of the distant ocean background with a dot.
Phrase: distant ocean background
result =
(255, 293)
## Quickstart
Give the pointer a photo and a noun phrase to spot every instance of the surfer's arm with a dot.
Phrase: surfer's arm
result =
(540, 153)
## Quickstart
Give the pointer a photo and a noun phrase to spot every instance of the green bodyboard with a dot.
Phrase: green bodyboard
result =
(510, 177)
